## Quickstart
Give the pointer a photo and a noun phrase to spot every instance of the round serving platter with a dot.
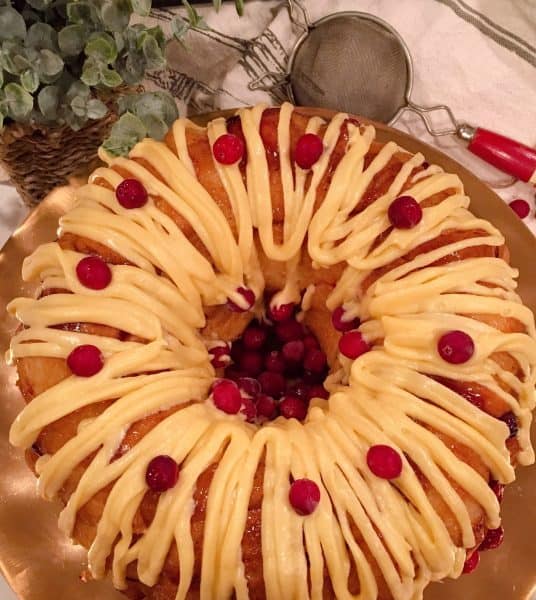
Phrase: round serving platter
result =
(40, 563)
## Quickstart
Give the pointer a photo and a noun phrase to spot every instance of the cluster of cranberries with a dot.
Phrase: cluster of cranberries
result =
(274, 369)
(493, 539)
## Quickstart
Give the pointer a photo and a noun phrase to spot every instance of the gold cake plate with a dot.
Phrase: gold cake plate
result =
(40, 563)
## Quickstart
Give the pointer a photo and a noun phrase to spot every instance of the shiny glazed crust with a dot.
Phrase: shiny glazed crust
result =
(37, 374)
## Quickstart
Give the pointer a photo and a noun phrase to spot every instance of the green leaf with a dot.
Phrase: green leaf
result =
(116, 14)
(141, 7)
(48, 100)
(125, 134)
(79, 106)
(90, 72)
(239, 5)
(160, 104)
(217, 5)
(153, 53)
(1, 77)
(156, 127)
(72, 39)
(39, 4)
(49, 65)
(12, 25)
(30, 80)
(179, 28)
(96, 109)
(119, 41)
(102, 47)
(19, 101)
(109, 77)
(42, 36)
(82, 13)
(77, 88)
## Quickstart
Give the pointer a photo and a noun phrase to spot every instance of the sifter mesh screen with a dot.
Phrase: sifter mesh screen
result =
(351, 63)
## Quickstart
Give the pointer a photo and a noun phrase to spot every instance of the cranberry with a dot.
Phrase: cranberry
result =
(266, 406)
(254, 337)
(274, 362)
(315, 361)
(456, 347)
(312, 378)
(249, 386)
(281, 312)
(471, 562)
(220, 356)
(272, 384)
(308, 150)
(226, 396)
(299, 389)
(520, 207)
(237, 350)
(384, 461)
(352, 344)
(85, 360)
(233, 372)
(425, 164)
(405, 212)
(93, 273)
(249, 300)
(293, 351)
(304, 496)
(339, 323)
(494, 538)
(249, 409)
(498, 489)
(290, 330)
(292, 407)
(162, 473)
(251, 362)
(310, 342)
(317, 391)
(130, 193)
(228, 149)
(511, 420)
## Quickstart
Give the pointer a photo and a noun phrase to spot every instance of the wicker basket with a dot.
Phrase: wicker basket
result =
(38, 159)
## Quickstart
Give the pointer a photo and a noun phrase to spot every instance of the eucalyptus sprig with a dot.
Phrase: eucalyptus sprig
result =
(60, 59)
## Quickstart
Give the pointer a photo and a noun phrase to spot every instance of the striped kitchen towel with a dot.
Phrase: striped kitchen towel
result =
(476, 56)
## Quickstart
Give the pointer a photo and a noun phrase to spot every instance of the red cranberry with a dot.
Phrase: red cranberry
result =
(309, 149)
(228, 149)
(274, 362)
(310, 342)
(220, 356)
(249, 386)
(494, 538)
(233, 372)
(293, 351)
(290, 330)
(520, 207)
(456, 347)
(281, 312)
(304, 496)
(248, 409)
(471, 563)
(384, 461)
(312, 378)
(299, 389)
(85, 360)
(513, 425)
(266, 406)
(237, 350)
(405, 212)
(162, 473)
(93, 273)
(498, 489)
(317, 391)
(254, 337)
(251, 362)
(352, 344)
(339, 324)
(272, 384)
(425, 164)
(292, 407)
(226, 396)
(130, 193)
(315, 361)
(249, 299)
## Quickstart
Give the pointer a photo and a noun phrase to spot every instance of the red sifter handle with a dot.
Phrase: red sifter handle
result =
(508, 155)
